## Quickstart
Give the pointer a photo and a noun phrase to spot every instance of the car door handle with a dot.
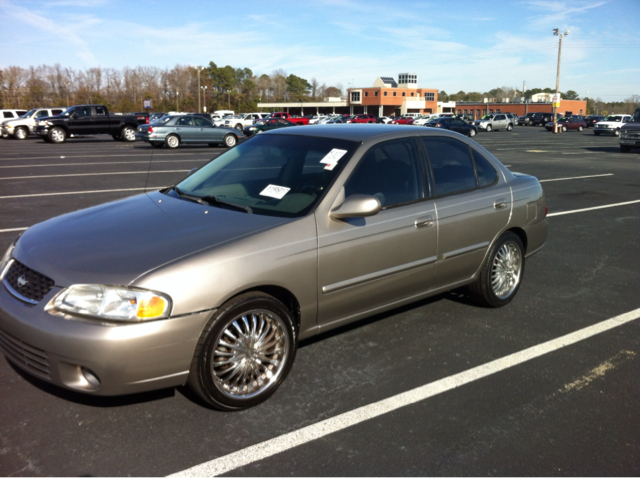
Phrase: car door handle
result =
(426, 221)
(500, 203)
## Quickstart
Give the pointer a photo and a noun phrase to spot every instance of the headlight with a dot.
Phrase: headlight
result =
(112, 303)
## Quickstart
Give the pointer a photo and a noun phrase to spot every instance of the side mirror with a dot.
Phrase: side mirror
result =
(357, 206)
(74, 115)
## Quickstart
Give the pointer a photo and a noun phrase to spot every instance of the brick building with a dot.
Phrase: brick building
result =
(477, 109)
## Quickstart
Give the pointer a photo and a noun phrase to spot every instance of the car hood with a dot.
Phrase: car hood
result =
(117, 242)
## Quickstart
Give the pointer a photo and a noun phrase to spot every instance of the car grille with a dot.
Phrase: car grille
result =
(31, 358)
(27, 284)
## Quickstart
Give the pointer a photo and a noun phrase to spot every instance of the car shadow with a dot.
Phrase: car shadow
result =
(93, 400)
(603, 149)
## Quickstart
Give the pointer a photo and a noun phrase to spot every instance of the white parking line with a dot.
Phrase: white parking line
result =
(100, 163)
(149, 188)
(354, 417)
(592, 208)
(21, 158)
(575, 177)
(95, 174)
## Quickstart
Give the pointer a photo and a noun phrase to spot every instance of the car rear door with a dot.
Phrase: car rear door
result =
(365, 264)
(473, 204)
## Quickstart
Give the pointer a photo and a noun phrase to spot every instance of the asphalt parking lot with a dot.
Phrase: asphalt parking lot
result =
(548, 385)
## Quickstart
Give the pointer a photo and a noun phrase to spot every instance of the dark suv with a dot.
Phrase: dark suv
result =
(526, 119)
(541, 119)
(592, 120)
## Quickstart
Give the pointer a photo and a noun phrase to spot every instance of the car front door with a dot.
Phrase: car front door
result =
(185, 128)
(81, 121)
(473, 204)
(369, 263)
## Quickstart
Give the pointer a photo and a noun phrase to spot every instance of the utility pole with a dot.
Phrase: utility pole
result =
(556, 100)
(199, 69)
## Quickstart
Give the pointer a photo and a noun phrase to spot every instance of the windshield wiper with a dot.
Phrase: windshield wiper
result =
(210, 200)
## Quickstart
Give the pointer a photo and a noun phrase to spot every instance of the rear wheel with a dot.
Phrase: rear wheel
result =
(579, 128)
(238, 127)
(244, 353)
(57, 135)
(472, 132)
(501, 273)
(230, 141)
(172, 141)
(564, 129)
(22, 133)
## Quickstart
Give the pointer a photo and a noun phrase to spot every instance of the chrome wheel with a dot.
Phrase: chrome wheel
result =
(506, 270)
(250, 354)
(230, 140)
(128, 134)
(172, 141)
(472, 132)
(57, 135)
(21, 133)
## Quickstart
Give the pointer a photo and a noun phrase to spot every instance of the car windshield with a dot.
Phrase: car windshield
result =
(163, 119)
(29, 113)
(487, 117)
(275, 175)
(613, 118)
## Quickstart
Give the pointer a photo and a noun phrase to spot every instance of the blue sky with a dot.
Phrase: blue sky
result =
(452, 45)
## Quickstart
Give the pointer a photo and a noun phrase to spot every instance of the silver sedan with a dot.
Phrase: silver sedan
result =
(212, 282)
(172, 131)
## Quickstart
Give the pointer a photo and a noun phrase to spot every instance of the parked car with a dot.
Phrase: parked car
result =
(89, 120)
(314, 119)
(141, 116)
(172, 131)
(339, 119)
(630, 133)
(9, 115)
(526, 119)
(244, 119)
(21, 127)
(591, 120)
(299, 120)
(611, 125)
(363, 118)
(494, 122)
(567, 124)
(541, 119)
(267, 124)
(155, 116)
(404, 120)
(212, 283)
(454, 124)
(422, 120)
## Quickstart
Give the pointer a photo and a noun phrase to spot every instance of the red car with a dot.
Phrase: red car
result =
(404, 120)
(363, 118)
(568, 124)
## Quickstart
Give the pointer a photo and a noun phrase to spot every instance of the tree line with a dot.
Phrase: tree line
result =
(594, 105)
(181, 88)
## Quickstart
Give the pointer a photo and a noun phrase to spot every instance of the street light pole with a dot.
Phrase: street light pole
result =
(556, 31)
(199, 69)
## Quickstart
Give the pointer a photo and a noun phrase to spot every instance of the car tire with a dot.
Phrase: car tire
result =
(244, 352)
(472, 132)
(616, 132)
(172, 141)
(564, 129)
(625, 148)
(501, 273)
(230, 140)
(128, 134)
(21, 133)
(238, 127)
(489, 128)
(57, 135)
(509, 127)
(579, 128)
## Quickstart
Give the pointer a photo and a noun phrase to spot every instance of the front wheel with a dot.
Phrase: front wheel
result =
(128, 134)
(472, 132)
(564, 129)
(57, 135)
(617, 132)
(501, 273)
(230, 141)
(509, 127)
(22, 133)
(244, 353)
(489, 128)
(579, 128)
(238, 127)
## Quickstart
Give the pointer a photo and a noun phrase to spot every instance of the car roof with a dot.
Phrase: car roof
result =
(359, 132)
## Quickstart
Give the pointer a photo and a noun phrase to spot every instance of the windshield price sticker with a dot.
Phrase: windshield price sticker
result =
(332, 158)
(273, 191)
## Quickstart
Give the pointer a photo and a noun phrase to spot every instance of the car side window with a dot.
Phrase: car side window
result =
(451, 165)
(184, 121)
(42, 114)
(201, 122)
(389, 171)
(100, 111)
(485, 172)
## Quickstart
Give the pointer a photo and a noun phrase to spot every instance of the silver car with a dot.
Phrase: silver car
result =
(494, 122)
(213, 282)
(172, 131)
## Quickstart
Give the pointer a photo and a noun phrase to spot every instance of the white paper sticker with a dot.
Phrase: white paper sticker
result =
(273, 191)
(332, 158)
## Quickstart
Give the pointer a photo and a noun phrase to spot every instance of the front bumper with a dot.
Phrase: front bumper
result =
(605, 130)
(125, 358)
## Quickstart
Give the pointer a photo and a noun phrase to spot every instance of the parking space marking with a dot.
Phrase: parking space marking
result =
(100, 163)
(575, 177)
(592, 208)
(16, 229)
(95, 174)
(318, 430)
(149, 188)
(97, 156)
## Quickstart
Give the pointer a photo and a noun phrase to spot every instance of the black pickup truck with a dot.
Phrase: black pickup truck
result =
(84, 120)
